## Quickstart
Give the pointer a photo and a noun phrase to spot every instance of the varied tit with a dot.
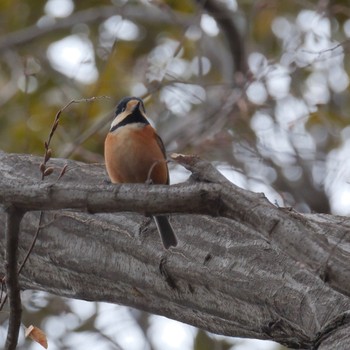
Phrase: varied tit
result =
(134, 153)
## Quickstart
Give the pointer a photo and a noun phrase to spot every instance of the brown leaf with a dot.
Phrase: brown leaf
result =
(37, 335)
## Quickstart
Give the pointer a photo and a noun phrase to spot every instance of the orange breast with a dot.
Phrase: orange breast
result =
(133, 155)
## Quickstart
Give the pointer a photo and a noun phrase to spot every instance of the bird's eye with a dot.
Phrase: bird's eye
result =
(123, 109)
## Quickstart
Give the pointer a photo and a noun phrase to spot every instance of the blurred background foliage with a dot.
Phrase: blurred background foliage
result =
(261, 88)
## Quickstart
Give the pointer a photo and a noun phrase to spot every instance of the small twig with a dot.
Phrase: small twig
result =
(45, 171)
(331, 49)
(32, 244)
(13, 220)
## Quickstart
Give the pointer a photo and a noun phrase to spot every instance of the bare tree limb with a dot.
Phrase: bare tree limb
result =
(13, 220)
(248, 269)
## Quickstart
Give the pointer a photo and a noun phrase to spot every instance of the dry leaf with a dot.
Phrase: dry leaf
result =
(37, 335)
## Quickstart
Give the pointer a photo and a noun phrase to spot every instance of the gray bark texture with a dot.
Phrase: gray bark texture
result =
(243, 267)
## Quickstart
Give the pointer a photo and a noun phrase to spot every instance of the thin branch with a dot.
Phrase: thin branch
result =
(32, 244)
(13, 220)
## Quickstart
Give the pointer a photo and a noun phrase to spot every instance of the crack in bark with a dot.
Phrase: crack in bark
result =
(330, 328)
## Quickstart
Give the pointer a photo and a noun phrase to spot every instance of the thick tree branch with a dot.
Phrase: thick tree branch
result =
(297, 235)
(253, 271)
(13, 220)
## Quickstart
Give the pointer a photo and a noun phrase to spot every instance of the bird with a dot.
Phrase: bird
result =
(135, 153)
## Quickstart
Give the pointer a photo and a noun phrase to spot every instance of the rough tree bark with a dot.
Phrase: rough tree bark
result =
(243, 267)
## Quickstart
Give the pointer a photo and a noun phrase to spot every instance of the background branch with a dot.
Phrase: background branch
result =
(35, 32)
(234, 38)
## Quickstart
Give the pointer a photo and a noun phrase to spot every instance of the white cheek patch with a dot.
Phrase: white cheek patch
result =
(114, 123)
(132, 126)
(118, 119)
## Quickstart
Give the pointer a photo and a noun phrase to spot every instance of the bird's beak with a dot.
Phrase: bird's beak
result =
(136, 107)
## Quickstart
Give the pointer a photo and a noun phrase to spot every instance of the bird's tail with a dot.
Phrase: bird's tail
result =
(166, 231)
